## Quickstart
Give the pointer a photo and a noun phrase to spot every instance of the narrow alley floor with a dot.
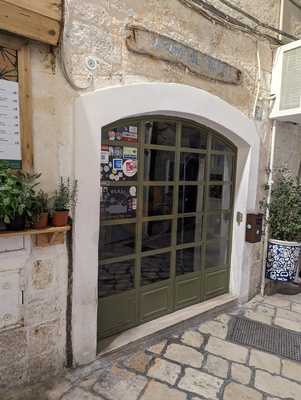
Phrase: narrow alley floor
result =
(195, 361)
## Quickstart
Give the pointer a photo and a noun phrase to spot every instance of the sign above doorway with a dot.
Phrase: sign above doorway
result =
(145, 42)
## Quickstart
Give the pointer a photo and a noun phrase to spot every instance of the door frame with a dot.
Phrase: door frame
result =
(95, 110)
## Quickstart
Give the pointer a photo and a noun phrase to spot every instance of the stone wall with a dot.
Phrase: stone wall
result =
(98, 28)
(34, 346)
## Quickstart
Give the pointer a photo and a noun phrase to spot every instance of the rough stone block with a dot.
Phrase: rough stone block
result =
(119, 384)
(276, 385)
(241, 373)
(164, 371)
(214, 328)
(227, 350)
(158, 391)
(265, 361)
(201, 384)
(157, 348)
(291, 370)
(184, 355)
(42, 274)
(12, 346)
(138, 361)
(217, 366)
(258, 316)
(234, 391)
(193, 339)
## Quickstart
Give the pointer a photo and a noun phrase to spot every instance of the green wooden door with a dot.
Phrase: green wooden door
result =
(166, 219)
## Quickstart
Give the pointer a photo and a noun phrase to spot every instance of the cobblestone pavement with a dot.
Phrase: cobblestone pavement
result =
(195, 362)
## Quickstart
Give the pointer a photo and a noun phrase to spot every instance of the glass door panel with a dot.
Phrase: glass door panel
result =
(166, 214)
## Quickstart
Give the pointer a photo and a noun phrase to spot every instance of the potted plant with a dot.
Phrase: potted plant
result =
(64, 201)
(284, 220)
(40, 210)
(17, 191)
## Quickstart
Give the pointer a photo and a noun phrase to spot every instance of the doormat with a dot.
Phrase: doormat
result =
(267, 338)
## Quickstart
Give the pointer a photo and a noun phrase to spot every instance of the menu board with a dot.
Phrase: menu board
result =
(10, 142)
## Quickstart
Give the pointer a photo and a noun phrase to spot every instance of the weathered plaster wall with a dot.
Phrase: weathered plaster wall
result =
(288, 147)
(97, 28)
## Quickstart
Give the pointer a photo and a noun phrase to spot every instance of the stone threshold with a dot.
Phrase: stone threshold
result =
(160, 325)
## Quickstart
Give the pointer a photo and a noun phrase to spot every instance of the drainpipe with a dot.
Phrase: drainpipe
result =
(271, 166)
(267, 214)
(281, 17)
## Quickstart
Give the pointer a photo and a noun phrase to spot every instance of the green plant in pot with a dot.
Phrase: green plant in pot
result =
(284, 220)
(17, 192)
(64, 201)
(40, 214)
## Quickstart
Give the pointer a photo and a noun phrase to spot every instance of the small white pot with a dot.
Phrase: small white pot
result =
(282, 260)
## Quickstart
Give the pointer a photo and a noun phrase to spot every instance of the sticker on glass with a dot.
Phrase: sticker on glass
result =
(115, 151)
(130, 153)
(117, 164)
(111, 136)
(104, 154)
(133, 191)
(133, 129)
(130, 168)
(129, 135)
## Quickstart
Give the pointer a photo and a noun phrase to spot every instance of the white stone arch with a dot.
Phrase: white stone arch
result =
(95, 110)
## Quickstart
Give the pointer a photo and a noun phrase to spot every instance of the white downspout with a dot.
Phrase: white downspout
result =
(270, 183)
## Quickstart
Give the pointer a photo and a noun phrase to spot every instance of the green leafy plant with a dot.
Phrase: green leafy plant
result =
(40, 204)
(17, 193)
(65, 195)
(285, 207)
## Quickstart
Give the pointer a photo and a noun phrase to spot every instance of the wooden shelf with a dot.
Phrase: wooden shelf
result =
(41, 237)
(26, 232)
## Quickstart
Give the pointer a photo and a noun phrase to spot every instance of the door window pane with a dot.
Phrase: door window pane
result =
(116, 278)
(118, 163)
(193, 137)
(127, 133)
(155, 268)
(157, 200)
(216, 254)
(118, 202)
(117, 240)
(219, 145)
(189, 230)
(156, 234)
(218, 225)
(221, 167)
(158, 165)
(219, 197)
(188, 260)
(192, 167)
(160, 132)
(191, 199)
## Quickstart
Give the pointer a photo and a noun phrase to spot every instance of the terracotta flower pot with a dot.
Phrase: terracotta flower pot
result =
(42, 221)
(60, 218)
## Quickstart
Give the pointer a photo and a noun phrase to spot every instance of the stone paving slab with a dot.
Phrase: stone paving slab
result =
(195, 362)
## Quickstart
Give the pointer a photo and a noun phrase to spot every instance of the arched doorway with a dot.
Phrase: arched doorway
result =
(166, 212)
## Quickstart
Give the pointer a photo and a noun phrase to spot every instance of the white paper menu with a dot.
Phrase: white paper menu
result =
(10, 141)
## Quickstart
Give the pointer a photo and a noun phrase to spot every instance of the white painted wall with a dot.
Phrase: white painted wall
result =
(95, 110)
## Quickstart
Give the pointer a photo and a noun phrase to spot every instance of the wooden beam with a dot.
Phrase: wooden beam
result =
(49, 8)
(27, 23)
(11, 41)
(25, 108)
